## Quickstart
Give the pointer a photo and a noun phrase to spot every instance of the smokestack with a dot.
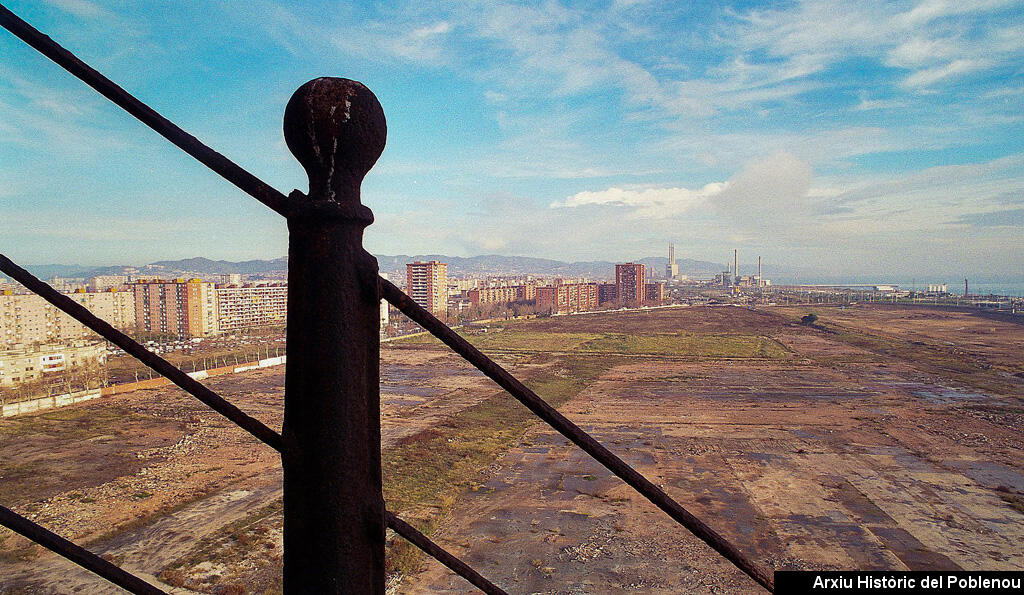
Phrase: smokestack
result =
(759, 271)
(736, 264)
(965, 286)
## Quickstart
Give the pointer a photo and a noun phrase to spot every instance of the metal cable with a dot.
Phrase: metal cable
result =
(222, 406)
(77, 554)
(585, 441)
(228, 170)
(277, 201)
(138, 351)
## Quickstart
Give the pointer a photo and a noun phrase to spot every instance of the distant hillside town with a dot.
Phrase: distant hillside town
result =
(200, 298)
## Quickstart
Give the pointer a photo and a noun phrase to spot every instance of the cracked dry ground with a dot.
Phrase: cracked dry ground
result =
(883, 438)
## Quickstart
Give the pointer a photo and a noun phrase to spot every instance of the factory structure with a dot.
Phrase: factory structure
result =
(731, 279)
(672, 268)
(551, 296)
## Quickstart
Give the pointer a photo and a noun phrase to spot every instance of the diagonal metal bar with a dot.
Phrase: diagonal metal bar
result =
(218, 403)
(574, 433)
(229, 170)
(438, 553)
(77, 554)
(278, 202)
(154, 361)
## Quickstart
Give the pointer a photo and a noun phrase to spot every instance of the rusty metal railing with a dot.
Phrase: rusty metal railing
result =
(334, 514)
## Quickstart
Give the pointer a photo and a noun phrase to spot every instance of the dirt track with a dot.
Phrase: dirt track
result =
(857, 445)
(157, 471)
(836, 457)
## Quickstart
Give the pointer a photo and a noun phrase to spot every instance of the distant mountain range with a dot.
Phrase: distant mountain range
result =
(393, 265)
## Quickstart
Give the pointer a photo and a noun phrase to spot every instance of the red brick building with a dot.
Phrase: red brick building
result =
(565, 299)
(630, 282)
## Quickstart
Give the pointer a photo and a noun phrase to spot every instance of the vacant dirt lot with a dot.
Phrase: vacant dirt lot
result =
(144, 477)
(840, 455)
(880, 438)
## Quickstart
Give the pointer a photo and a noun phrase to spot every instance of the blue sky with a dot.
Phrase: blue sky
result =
(868, 137)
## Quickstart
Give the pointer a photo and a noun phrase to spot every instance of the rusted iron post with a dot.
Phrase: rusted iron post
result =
(333, 505)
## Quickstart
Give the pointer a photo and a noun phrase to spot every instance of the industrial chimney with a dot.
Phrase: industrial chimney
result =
(671, 269)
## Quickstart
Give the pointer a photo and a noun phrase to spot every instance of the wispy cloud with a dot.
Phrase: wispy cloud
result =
(929, 76)
(80, 8)
(811, 36)
(806, 124)
(1008, 218)
(867, 104)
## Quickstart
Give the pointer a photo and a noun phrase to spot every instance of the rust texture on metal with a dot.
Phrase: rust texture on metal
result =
(332, 204)
(574, 433)
(333, 502)
(75, 553)
(267, 435)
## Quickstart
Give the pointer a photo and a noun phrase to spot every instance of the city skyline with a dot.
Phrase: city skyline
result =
(883, 137)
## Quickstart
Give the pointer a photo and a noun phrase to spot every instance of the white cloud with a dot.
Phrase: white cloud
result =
(867, 104)
(770, 198)
(424, 43)
(495, 96)
(779, 200)
(80, 8)
(654, 203)
(815, 34)
(430, 30)
(48, 124)
(930, 10)
(920, 51)
(929, 76)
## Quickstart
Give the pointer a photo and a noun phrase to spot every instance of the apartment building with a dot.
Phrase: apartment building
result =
(630, 281)
(178, 307)
(427, 285)
(25, 364)
(27, 318)
(247, 306)
(492, 295)
(654, 292)
(568, 298)
(114, 306)
(607, 293)
(105, 282)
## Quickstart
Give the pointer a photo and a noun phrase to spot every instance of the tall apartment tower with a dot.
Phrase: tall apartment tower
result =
(630, 282)
(178, 307)
(671, 269)
(427, 285)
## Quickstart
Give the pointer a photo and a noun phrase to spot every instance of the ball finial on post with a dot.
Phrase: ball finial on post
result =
(335, 127)
(334, 524)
